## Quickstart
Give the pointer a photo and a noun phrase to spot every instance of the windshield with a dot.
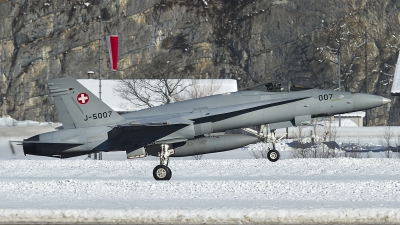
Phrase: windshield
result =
(298, 87)
(278, 86)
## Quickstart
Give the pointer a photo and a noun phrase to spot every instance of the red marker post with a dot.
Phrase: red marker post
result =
(112, 42)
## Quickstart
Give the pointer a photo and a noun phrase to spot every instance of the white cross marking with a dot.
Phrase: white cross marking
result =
(83, 98)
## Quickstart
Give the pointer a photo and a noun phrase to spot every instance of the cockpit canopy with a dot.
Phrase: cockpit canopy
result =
(278, 86)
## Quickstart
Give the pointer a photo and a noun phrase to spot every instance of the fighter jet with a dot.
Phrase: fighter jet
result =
(184, 128)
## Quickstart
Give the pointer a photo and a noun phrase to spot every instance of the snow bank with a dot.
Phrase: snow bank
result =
(205, 216)
(231, 191)
(8, 122)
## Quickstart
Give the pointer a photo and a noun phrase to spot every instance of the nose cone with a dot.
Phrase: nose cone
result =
(366, 101)
(385, 100)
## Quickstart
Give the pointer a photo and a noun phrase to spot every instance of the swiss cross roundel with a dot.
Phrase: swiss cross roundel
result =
(82, 98)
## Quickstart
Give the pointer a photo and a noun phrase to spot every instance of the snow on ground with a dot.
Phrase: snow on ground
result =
(210, 191)
(223, 188)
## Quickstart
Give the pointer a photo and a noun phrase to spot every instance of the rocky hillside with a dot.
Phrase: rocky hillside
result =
(252, 41)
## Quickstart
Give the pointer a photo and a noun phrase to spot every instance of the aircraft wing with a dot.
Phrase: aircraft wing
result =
(144, 131)
(396, 79)
(133, 136)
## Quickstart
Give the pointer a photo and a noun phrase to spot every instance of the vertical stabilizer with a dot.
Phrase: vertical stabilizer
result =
(396, 79)
(78, 107)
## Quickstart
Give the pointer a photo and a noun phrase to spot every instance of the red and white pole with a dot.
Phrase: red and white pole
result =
(112, 42)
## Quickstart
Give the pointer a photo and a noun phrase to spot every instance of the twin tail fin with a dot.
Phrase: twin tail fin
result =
(78, 108)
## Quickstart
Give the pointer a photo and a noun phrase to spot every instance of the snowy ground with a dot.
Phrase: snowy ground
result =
(212, 191)
(222, 188)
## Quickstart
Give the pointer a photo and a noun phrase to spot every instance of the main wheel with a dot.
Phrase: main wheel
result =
(162, 172)
(273, 155)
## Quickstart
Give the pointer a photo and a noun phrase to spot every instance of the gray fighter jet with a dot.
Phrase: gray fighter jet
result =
(184, 128)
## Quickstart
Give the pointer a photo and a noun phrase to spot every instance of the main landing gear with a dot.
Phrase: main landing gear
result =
(162, 172)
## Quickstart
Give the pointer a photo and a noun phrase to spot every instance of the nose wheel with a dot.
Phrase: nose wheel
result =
(273, 155)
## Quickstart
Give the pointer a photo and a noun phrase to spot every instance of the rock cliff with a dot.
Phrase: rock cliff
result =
(252, 41)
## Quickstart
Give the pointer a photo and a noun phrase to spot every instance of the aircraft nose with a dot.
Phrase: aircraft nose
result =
(367, 101)
(385, 100)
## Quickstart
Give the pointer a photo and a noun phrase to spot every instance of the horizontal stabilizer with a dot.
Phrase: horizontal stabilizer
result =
(47, 148)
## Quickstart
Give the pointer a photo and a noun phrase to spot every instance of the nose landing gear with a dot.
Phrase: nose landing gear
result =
(272, 154)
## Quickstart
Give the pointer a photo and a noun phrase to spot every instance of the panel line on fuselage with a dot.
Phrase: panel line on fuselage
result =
(220, 117)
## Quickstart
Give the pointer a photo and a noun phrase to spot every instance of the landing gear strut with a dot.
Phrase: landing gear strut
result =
(162, 172)
(269, 137)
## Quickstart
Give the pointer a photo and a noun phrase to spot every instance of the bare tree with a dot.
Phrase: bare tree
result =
(397, 149)
(198, 157)
(328, 138)
(261, 151)
(352, 149)
(323, 139)
(321, 144)
(299, 151)
(197, 90)
(259, 154)
(314, 135)
(387, 137)
(155, 83)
